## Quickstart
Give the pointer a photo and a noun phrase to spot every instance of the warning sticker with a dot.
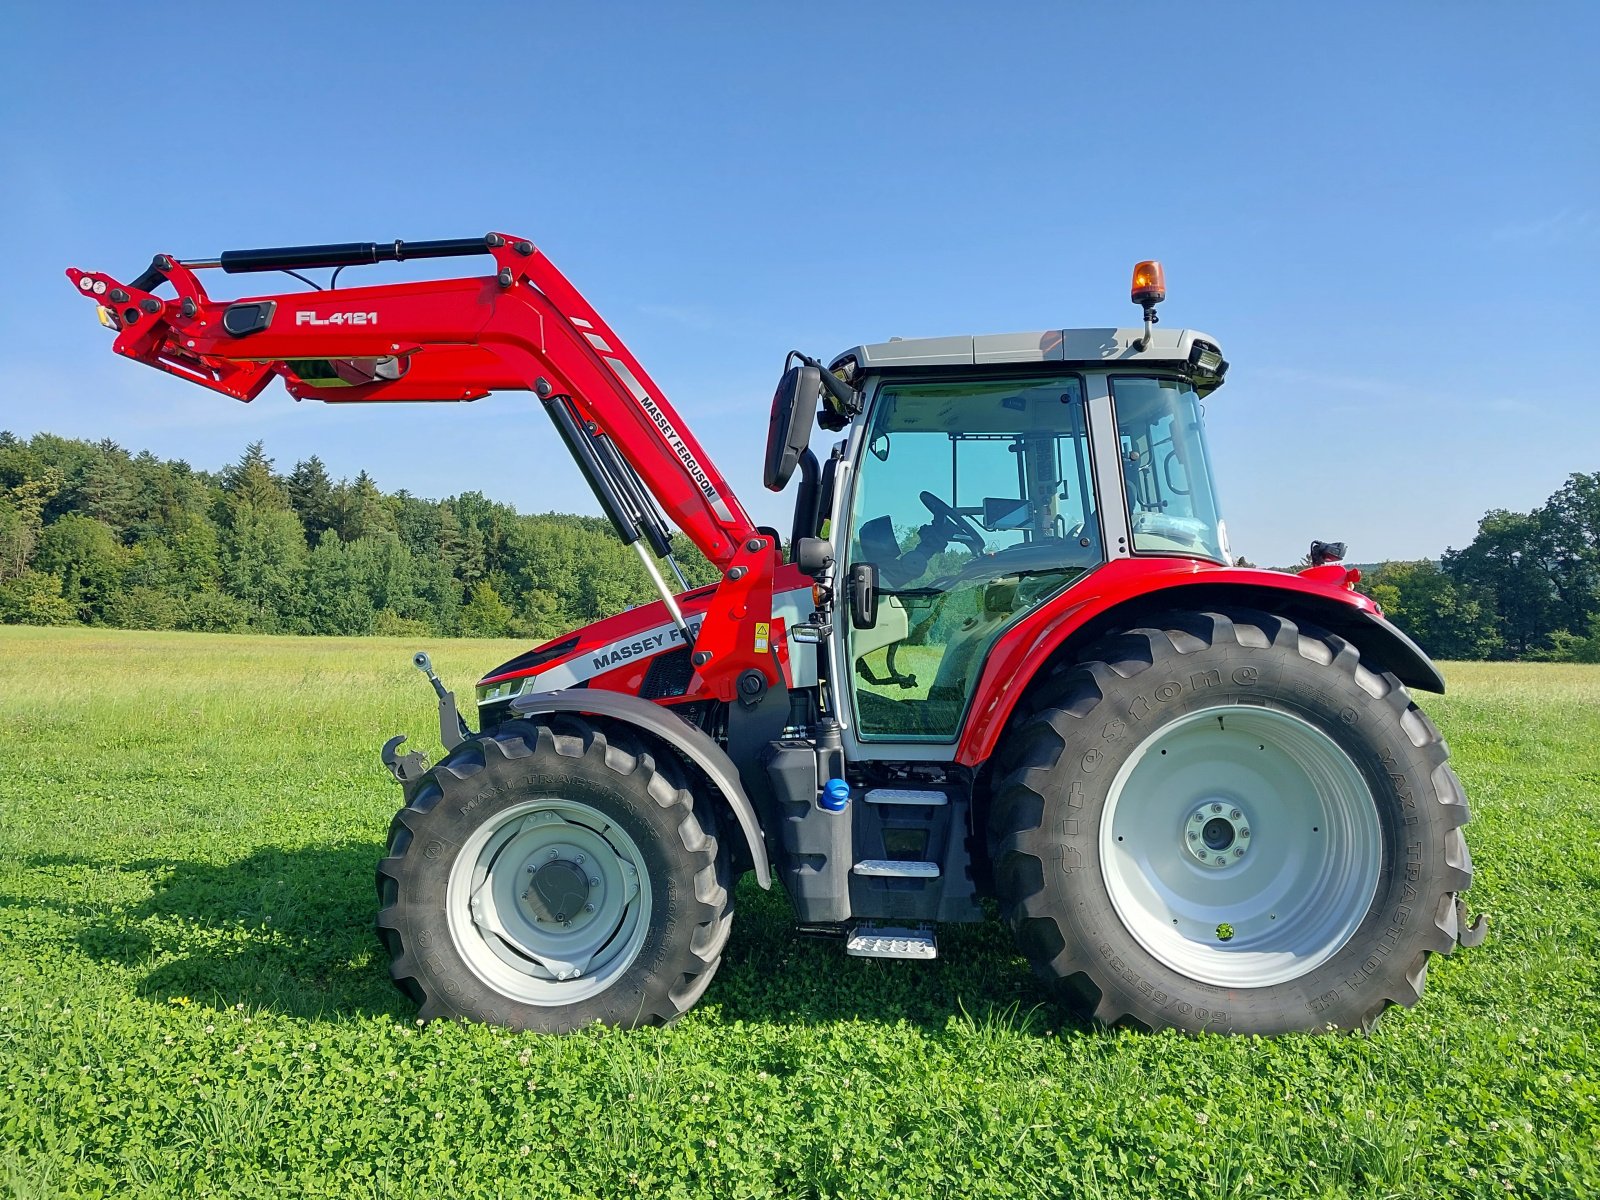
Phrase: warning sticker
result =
(762, 633)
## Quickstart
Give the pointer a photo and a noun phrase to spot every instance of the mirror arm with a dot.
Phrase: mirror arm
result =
(845, 397)
(807, 501)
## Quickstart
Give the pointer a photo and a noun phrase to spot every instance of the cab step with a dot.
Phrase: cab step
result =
(891, 941)
(927, 796)
(891, 868)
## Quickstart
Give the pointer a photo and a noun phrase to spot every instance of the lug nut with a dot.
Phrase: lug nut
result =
(1236, 814)
(1216, 808)
(579, 859)
(588, 908)
(1238, 851)
(561, 916)
(594, 882)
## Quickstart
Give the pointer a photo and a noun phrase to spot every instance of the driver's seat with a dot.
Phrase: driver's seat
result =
(879, 546)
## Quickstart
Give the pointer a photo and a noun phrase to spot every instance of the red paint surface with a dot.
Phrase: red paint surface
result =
(1027, 645)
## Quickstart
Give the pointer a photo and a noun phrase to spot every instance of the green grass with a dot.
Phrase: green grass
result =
(192, 1001)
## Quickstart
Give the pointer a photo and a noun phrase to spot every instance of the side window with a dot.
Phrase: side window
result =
(1166, 472)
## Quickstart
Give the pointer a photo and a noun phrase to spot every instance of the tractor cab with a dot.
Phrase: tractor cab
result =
(982, 477)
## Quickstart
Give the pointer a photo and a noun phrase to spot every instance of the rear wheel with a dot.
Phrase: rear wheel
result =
(1227, 822)
(549, 877)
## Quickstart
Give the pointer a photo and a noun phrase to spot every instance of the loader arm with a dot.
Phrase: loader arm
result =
(524, 327)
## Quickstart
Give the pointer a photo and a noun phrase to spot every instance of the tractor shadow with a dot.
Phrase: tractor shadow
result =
(286, 931)
(772, 974)
(291, 931)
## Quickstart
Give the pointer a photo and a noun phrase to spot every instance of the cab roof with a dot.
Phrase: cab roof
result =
(1079, 347)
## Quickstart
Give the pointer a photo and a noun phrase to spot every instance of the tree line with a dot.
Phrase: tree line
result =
(92, 534)
(1526, 587)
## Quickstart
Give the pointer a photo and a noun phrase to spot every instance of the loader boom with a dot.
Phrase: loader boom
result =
(523, 328)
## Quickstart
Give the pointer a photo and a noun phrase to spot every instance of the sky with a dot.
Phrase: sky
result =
(1387, 214)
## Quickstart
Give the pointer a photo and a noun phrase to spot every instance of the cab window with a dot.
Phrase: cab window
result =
(975, 502)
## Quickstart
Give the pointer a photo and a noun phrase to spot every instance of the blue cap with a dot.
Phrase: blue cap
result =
(835, 795)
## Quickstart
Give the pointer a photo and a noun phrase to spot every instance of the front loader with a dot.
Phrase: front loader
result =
(1005, 656)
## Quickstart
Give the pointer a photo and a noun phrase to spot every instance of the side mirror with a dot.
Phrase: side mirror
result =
(814, 556)
(794, 407)
(863, 588)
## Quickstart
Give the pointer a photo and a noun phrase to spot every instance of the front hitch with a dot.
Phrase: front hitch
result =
(408, 768)
(453, 728)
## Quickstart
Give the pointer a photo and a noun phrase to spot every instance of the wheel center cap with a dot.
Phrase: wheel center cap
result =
(560, 889)
(1217, 834)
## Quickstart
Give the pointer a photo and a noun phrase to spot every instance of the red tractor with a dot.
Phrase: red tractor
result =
(1007, 654)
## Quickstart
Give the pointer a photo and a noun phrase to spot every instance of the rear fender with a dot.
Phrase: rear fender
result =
(662, 725)
(1058, 631)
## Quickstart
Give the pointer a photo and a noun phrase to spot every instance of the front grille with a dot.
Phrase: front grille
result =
(668, 676)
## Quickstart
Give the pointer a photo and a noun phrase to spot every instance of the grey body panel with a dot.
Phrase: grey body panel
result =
(663, 723)
(1082, 347)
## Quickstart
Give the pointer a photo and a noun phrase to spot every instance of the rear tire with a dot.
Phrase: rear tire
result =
(1226, 822)
(548, 877)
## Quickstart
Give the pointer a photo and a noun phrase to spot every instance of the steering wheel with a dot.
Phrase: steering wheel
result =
(950, 524)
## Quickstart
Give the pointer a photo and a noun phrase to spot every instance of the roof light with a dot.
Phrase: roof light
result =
(1149, 284)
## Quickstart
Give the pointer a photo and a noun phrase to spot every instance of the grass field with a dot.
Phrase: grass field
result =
(192, 1001)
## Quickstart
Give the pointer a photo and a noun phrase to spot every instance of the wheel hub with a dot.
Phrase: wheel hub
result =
(1217, 834)
(559, 892)
(548, 902)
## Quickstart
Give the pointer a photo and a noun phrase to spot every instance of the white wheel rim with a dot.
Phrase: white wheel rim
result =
(509, 889)
(1288, 894)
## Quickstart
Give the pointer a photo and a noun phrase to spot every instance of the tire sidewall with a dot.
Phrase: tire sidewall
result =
(1368, 728)
(441, 834)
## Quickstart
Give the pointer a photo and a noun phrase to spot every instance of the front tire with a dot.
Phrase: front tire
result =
(1227, 822)
(548, 877)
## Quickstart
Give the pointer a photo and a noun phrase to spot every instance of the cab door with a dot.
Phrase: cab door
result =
(973, 498)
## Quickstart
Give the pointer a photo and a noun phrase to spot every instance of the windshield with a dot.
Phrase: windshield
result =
(974, 501)
(1166, 471)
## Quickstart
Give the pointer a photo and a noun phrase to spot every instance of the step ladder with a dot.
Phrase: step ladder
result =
(891, 941)
(927, 796)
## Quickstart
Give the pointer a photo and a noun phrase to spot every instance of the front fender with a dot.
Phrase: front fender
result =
(662, 723)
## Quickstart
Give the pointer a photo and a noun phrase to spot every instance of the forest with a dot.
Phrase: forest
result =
(93, 534)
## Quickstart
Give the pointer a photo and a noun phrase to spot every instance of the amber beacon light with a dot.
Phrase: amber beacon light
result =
(1149, 284)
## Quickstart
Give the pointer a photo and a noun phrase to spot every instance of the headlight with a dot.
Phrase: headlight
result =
(504, 690)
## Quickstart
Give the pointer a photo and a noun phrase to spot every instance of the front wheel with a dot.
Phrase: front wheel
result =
(1227, 822)
(549, 877)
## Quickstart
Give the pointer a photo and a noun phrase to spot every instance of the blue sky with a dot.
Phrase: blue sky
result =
(1388, 214)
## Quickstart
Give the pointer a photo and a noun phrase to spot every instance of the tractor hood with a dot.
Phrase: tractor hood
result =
(639, 651)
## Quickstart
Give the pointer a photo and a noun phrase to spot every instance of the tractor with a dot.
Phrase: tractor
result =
(1002, 659)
